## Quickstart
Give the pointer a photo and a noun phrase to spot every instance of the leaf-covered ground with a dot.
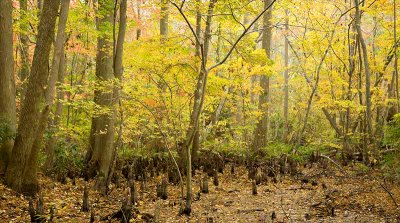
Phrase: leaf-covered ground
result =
(308, 197)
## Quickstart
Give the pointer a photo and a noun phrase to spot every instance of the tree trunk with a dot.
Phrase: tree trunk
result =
(198, 27)
(261, 131)
(197, 106)
(7, 84)
(55, 122)
(164, 19)
(366, 68)
(50, 90)
(99, 157)
(118, 74)
(396, 71)
(99, 154)
(286, 84)
(196, 139)
(139, 18)
(24, 47)
(32, 104)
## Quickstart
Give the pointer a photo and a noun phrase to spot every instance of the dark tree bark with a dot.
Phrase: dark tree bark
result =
(7, 86)
(32, 104)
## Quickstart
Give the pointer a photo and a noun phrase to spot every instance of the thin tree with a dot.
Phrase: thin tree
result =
(396, 71)
(201, 85)
(286, 81)
(366, 68)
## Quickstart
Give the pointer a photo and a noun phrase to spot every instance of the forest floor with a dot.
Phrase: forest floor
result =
(355, 196)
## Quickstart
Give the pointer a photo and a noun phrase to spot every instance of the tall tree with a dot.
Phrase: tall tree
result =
(118, 74)
(261, 131)
(50, 90)
(197, 105)
(396, 68)
(32, 104)
(199, 94)
(366, 67)
(54, 123)
(99, 157)
(7, 86)
(286, 80)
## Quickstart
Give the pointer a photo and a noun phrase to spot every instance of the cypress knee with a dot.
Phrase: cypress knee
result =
(254, 188)
(204, 189)
(215, 180)
(85, 203)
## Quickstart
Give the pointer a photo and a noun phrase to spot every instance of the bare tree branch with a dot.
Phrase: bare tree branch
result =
(240, 38)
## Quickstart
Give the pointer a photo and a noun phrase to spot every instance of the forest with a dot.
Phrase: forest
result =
(199, 111)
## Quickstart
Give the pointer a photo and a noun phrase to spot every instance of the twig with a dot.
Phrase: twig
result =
(284, 212)
(331, 160)
(390, 194)
(240, 37)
